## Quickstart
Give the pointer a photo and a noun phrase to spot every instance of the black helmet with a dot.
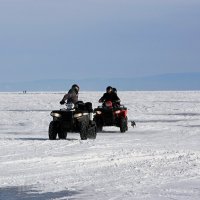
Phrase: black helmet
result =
(75, 87)
(114, 90)
(108, 89)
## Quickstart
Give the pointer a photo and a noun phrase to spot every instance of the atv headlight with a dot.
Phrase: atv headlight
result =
(98, 112)
(78, 115)
(117, 112)
(55, 114)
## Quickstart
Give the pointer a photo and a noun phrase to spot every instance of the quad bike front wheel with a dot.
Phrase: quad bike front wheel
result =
(99, 125)
(62, 135)
(99, 128)
(92, 130)
(53, 130)
(83, 130)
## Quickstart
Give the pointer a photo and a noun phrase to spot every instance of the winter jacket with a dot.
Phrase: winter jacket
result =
(71, 96)
(109, 97)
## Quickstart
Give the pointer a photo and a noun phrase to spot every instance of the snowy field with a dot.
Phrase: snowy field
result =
(157, 160)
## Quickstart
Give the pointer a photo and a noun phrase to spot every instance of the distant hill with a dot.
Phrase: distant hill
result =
(181, 81)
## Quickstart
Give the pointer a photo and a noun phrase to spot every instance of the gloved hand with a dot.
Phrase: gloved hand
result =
(62, 102)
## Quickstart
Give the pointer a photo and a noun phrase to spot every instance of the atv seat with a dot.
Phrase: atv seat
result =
(84, 106)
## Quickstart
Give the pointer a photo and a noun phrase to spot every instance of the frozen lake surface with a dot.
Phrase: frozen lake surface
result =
(159, 159)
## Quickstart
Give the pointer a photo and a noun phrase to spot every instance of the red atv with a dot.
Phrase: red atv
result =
(110, 114)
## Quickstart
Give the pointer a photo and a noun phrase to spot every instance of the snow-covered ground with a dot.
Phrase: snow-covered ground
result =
(157, 160)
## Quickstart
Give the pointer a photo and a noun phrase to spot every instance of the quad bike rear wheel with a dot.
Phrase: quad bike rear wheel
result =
(123, 125)
(83, 130)
(126, 123)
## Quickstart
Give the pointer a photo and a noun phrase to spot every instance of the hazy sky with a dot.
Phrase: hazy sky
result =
(44, 39)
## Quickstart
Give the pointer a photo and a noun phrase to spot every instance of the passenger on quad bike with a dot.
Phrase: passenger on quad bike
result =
(71, 96)
(110, 96)
(115, 91)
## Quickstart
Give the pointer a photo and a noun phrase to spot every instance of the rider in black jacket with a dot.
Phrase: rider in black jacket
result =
(110, 96)
(71, 96)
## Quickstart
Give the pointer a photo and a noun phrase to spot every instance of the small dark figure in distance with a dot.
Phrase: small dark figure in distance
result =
(133, 124)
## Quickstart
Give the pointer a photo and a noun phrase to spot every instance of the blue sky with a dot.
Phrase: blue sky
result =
(45, 39)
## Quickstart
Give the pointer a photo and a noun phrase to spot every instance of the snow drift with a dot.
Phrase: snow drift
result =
(159, 159)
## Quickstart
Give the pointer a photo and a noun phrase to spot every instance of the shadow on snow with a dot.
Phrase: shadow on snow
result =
(22, 110)
(28, 193)
(160, 121)
(39, 139)
(42, 139)
(176, 114)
